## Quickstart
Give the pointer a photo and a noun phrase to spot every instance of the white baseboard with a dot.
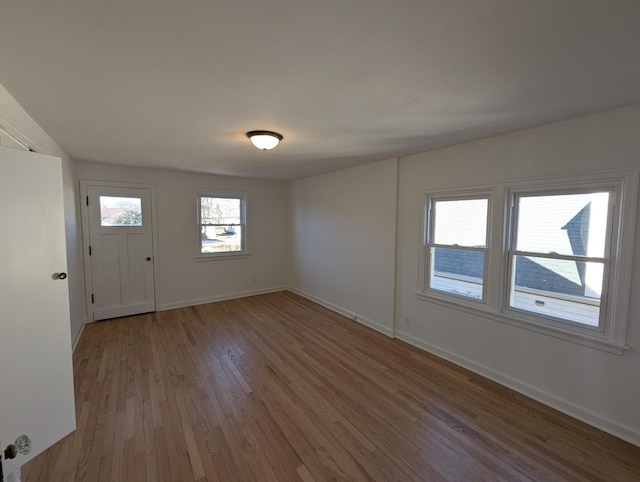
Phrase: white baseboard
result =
(385, 330)
(76, 339)
(213, 299)
(607, 425)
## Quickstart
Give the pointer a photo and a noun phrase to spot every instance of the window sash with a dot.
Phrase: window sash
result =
(516, 195)
(430, 270)
(431, 217)
(533, 316)
(221, 224)
(567, 257)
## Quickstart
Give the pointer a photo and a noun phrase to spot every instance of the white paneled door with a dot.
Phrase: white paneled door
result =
(120, 249)
(36, 374)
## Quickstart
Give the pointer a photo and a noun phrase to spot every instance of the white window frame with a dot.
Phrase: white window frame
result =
(513, 197)
(610, 336)
(244, 251)
(428, 242)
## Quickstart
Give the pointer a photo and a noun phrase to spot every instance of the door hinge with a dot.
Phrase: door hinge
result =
(87, 200)
(92, 299)
(89, 250)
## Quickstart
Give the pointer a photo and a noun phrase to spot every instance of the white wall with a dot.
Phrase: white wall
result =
(342, 241)
(184, 281)
(599, 387)
(15, 119)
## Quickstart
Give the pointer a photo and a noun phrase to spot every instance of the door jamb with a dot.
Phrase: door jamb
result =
(88, 278)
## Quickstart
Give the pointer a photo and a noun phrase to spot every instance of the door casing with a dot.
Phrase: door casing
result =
(88, 278)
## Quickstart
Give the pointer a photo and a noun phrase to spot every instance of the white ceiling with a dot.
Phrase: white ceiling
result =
(176, 84)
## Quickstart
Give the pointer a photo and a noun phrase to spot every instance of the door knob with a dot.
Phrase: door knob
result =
(22, 446)
(148, 258)
(60, 276)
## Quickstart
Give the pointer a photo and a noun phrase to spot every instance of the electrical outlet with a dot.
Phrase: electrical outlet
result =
(407, 322)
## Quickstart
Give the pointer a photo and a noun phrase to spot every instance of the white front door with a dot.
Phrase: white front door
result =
(120, 248)
(36, 373)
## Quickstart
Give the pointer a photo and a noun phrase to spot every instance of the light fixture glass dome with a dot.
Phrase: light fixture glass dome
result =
(264, 140)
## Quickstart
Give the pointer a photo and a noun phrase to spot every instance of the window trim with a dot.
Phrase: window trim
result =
(428, 220)
(244, 251)
(617, 296)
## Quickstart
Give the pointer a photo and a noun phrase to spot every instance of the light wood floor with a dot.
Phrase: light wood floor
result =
(275, 387)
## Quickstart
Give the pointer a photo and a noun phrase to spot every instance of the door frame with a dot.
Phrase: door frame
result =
(84, 208)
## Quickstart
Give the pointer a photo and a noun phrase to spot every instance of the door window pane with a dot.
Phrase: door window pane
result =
(120, 211)
(568, 224)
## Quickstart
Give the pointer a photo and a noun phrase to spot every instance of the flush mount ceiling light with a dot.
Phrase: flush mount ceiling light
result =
(264, 140)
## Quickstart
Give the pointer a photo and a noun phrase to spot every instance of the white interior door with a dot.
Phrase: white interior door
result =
(36, 374)
(121, 251)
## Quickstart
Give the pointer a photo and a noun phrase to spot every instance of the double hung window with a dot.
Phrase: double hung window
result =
(559, 255)
(555, 259)
(221, 224)
(457, 246)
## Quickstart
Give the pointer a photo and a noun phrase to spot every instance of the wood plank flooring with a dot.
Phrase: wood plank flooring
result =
(277, 388)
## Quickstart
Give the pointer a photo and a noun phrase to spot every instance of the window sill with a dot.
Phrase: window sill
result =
(219, 256)
(579, 338)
